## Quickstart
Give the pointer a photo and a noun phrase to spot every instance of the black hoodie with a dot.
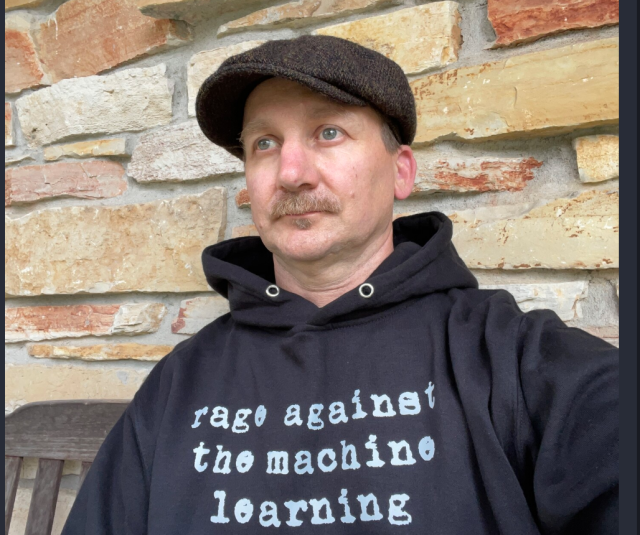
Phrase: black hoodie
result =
(425, 406)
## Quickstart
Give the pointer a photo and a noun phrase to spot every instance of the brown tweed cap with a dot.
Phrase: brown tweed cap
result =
(335, 67)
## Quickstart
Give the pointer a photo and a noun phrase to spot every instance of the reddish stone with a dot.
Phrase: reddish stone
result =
(88, 180)
(519, 21)
(22, 68)
(7, 190)
(49, 322)
(8, 137)
(473, 174)
(242, 199)
(85, 37)
(244, 230)
(45, 322)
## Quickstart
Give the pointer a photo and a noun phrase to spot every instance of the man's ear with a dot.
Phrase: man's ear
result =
(406, 169)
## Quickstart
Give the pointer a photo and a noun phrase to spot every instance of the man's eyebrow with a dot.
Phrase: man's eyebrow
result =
(255, 125)
(314, 112)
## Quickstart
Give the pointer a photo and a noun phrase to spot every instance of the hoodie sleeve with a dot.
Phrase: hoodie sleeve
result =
(114, 498)
(568, 425)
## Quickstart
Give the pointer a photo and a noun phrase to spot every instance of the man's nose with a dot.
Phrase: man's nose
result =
(297, 169)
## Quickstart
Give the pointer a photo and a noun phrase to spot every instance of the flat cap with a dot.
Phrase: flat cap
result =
(335, 67)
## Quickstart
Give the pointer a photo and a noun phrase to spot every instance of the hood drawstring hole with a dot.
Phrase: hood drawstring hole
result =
(366, 290)
(273, 291)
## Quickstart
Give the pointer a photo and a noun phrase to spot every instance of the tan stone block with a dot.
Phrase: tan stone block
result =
(85, 37)
(244, 230)
(128, 100)
(21, 4)
(87, 180)
(540, 93)
(301, 12)
(195, 11)
(443, 172)
(598, 157)
(561, 297)
(178, 153)
(242, 199)
(609, 333)
(8, 126)
(195, 313)
(521, 21)
(417, 38)
(579, 233)
(22, 67)
(149, 247)
(100, 352)
(22, 324)
(25, 383)
(66, 497)
(11, 160)
(205, 63)
(84, 149)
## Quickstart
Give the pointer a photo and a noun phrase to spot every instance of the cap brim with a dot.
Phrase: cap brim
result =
(221, 99)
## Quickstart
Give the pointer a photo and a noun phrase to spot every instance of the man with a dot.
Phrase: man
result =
(361, 383)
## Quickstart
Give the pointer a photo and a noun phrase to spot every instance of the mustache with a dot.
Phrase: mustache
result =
(290, 203)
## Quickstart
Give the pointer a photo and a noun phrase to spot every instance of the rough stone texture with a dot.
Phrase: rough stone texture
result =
(242, 199)
(244, 230)
(25, 383)
(11, 160)
(84, 149)
(149, 247)
(87, 180)
(195, 313)
(561, 297)
(194, 11)
(520, 21)
(101, 352)
(545, 92)
(178, 153)
(128, 100)
(579, 233)
(24, 324)
(299, 13)
(609, 333)
(21, 4)
(8, 126)
(85, 37)
(22, 68)
(417, 38)
(204, 63)
(441, 172)
(66, 497)
(598, 157)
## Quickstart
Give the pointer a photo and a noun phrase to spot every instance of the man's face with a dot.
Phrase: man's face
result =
(320, 179)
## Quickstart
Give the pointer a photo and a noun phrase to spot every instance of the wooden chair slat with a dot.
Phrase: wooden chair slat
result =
(44, 497)
(72, 430)
(83, 472)
(12, 466)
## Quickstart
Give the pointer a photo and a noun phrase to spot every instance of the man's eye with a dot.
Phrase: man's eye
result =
(329, 134)
(264, 144)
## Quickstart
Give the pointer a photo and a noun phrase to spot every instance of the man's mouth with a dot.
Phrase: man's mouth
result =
(303, 214)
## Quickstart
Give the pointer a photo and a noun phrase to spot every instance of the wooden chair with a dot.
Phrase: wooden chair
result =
(52, 432)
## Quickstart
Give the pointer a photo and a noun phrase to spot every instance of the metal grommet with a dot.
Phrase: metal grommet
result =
(366, 290)
(273, 291)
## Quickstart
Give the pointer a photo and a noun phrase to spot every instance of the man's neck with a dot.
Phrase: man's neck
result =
(327, 279)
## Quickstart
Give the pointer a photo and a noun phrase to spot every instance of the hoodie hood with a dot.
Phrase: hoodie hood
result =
(424, 261)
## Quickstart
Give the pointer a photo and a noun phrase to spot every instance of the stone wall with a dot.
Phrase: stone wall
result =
(112, 192)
